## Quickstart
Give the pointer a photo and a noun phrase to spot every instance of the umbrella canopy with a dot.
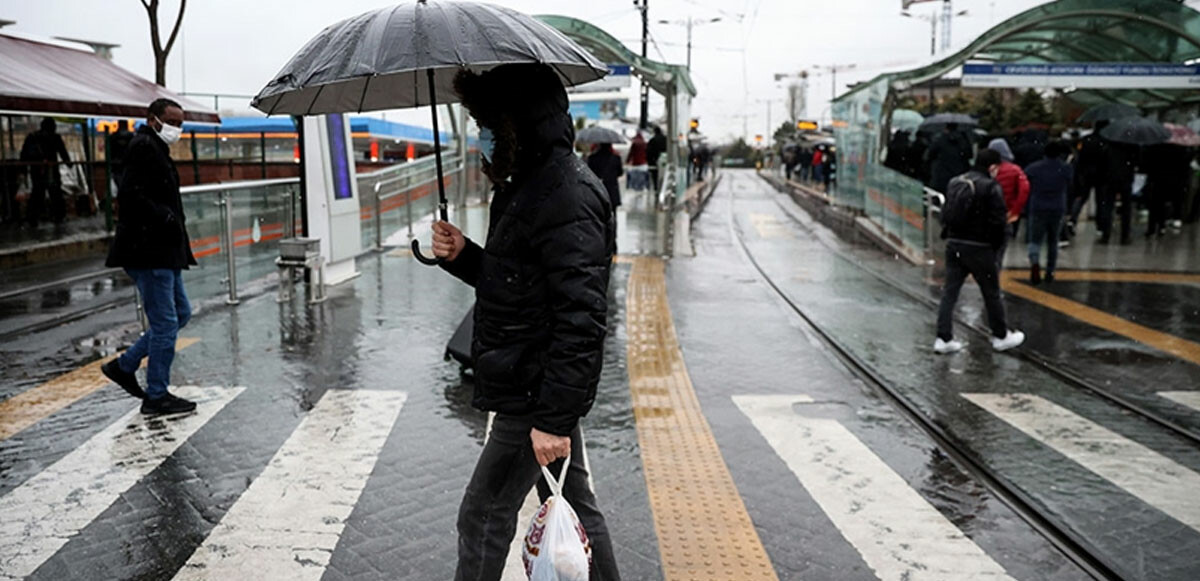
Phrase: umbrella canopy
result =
(936, 122)
(597, 134)
(1136, 131)
(1181, 135)
(906, 120)
(1109, 112)
(379, 60)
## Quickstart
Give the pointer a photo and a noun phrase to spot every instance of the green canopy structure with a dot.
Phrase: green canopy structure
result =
(1162, 32)
(1111, 31)
(671, 81)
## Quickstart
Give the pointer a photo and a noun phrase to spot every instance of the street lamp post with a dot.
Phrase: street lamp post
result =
(644, 7)
(689, 22)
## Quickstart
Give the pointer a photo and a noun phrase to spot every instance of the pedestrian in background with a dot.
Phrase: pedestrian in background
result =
(152, 245)
(948, 156)
(1091, 173)
(974, 221)
(541, 288)
(1050, 181)
(607, 166)
(41, 150)
(818, 164)
(639, 171)
(1015, 185)
(654, 150)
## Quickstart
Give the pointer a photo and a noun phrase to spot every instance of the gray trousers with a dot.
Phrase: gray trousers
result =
(506, 471)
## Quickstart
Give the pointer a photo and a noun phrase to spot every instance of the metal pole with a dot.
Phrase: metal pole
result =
(227, 234)
(378, 219)
(195, 160)
(262, 150)
(408, 206)
(109, 180)
(645, 6)
(689, 48)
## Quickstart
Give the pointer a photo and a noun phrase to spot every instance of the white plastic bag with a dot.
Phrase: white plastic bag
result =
(556, 546)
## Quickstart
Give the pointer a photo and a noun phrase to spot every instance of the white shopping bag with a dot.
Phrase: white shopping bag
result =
(556, 546)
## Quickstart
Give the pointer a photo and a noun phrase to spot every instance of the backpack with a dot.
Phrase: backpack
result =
(960, 197)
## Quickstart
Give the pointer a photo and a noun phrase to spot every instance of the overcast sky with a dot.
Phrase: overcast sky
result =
(235, 46)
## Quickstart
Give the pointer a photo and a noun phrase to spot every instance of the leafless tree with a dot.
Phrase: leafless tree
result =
(161, 52)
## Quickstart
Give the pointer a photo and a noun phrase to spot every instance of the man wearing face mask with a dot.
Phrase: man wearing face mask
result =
(152, 245)
(541, 289)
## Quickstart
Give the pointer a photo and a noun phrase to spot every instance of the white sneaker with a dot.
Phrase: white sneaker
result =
(1012, 339)
(950, 346)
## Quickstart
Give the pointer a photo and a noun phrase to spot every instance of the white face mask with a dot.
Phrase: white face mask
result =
(169, 133)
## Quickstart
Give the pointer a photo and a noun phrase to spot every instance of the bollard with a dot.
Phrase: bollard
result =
(227, 235)
(378, 219)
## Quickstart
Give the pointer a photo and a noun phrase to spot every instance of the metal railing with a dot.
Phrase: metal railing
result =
(252, 214)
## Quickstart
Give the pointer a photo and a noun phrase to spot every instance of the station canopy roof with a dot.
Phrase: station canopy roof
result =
(42, 78)
(1110, 31)
(662, 77)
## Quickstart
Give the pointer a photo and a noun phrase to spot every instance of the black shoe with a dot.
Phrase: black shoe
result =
(1035, 274)
(127, 381)
(1126, 240)
(1049, 277)
(167, 404)
(1103, 239)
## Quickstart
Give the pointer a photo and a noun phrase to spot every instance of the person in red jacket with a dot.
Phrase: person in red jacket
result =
(1015, 185)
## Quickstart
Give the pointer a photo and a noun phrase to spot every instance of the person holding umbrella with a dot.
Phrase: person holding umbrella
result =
(541, 277)
(541, 287)
(607, 166)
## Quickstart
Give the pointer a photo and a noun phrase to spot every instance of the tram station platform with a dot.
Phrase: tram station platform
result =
(770, 408)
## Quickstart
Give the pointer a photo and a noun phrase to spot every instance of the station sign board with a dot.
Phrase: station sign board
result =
(619, 77)
(804, 125)
(1082, 75)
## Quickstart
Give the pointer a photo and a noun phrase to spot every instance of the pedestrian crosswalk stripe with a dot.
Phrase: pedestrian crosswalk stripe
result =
(288, 522)
(1140, 471)
(1187, 398)
(897, 532)
(28, 407)
(42, 514)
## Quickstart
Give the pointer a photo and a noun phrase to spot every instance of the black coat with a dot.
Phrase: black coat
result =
(987, 221)
(607, 166)
(151, 227)
(950, 155)
(541, 282)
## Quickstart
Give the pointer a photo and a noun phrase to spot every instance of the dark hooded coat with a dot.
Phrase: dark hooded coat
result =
(541, 278)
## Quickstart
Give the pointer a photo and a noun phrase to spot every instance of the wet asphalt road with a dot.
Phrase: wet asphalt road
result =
(386, 331)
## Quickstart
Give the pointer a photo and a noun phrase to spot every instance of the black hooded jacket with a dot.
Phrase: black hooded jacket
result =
(541, 279)
(151, 227)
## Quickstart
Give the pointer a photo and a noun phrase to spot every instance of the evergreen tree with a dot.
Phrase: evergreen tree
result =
(784, 133)
(959, 102)
(1030, 108)
(992, 113)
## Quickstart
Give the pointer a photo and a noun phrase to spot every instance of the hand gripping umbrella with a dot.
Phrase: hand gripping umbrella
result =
(408, 55)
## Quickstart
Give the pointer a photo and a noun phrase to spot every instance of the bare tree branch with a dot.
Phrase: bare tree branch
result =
(178, 23)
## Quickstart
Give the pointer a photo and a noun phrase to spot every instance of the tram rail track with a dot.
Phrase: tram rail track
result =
(1045, 363)
(1068, 542)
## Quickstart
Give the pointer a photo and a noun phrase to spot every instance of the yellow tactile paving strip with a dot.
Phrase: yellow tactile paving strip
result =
(703, 529)
(1113, 276)
(1177, 346)
(29, 407)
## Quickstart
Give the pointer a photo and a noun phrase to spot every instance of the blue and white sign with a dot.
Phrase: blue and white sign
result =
(1082, 75)
(619, 77)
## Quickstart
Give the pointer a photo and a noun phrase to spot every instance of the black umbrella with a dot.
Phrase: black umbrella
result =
(1136, 131)
(936, 122)
(408, 56)
(1108, 112)
(597, 134)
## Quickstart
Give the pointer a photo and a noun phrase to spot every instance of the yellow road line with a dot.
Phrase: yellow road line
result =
(704, 531)
(1114, 276)
(29, 407)
(1181, 348)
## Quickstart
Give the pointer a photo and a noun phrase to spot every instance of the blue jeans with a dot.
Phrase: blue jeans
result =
(168, 310)
(1044, 225)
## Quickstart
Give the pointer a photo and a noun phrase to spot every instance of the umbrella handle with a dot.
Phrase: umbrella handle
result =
(416, 250)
